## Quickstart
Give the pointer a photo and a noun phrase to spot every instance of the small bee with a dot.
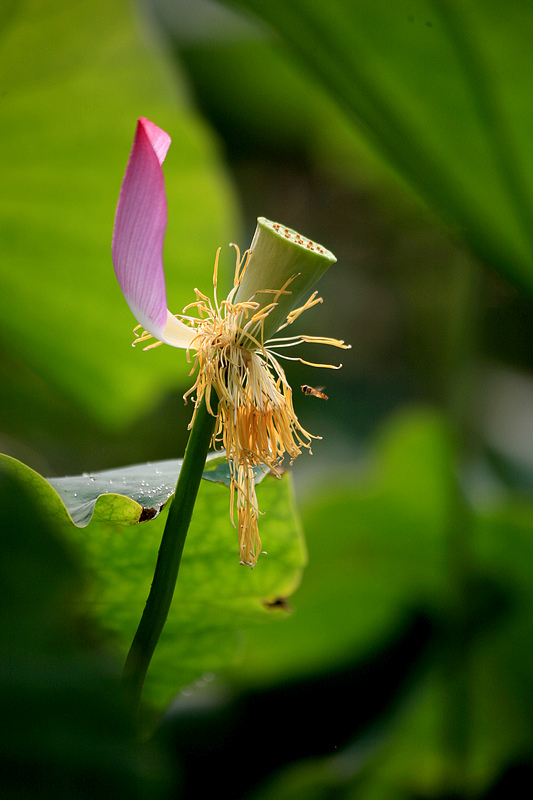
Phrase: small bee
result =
(315, 392)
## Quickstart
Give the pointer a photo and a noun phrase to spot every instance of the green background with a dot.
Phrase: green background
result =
(398, 135)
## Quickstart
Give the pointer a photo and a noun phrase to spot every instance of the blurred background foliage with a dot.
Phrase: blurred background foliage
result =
(398, 134)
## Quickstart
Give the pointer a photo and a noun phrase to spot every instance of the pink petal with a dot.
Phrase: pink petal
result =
(139, 232)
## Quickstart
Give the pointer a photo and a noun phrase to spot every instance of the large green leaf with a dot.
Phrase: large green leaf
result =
(64, 721)
(215, 597)
(441, 89)
(278, 104)
(387, 543)
(76, 76)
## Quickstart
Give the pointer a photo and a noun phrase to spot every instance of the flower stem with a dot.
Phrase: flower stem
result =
(169, 557)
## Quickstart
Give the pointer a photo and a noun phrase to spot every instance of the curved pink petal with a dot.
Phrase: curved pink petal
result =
(138, 236)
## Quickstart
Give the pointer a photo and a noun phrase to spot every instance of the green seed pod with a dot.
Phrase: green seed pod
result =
(281, 259)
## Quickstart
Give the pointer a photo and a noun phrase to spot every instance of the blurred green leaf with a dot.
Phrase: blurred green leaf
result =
(376, 549)
(319, 723)
(381, 546)
(271, 88)
(215, 596)
(441, 89)
(76, 76)
(65, 729)
(496, 672)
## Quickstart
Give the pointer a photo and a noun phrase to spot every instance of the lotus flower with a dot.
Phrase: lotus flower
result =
(235, 357)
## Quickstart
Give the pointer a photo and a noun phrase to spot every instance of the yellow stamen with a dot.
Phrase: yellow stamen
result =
(252, 399)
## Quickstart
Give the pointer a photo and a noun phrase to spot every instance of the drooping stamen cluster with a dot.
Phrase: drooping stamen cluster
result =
(256, 422)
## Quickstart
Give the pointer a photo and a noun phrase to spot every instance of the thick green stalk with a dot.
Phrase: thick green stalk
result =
(169, 557)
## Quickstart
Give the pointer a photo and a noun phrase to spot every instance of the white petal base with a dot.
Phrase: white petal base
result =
(176, 333)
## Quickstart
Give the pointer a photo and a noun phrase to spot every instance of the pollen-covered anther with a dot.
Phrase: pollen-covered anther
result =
(246, 389)
(238, 373)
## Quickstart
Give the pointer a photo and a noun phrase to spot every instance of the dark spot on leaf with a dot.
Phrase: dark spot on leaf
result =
(279, 602)
(148, 513)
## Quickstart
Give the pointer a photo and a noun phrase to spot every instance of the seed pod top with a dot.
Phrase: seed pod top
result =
(280, 257)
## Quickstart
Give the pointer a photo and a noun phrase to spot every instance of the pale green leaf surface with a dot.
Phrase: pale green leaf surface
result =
(75, 78)
(442, 90)
(148, 485)
(216, 597)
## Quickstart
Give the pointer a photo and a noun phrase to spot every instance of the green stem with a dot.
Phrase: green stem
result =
(169, 557)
